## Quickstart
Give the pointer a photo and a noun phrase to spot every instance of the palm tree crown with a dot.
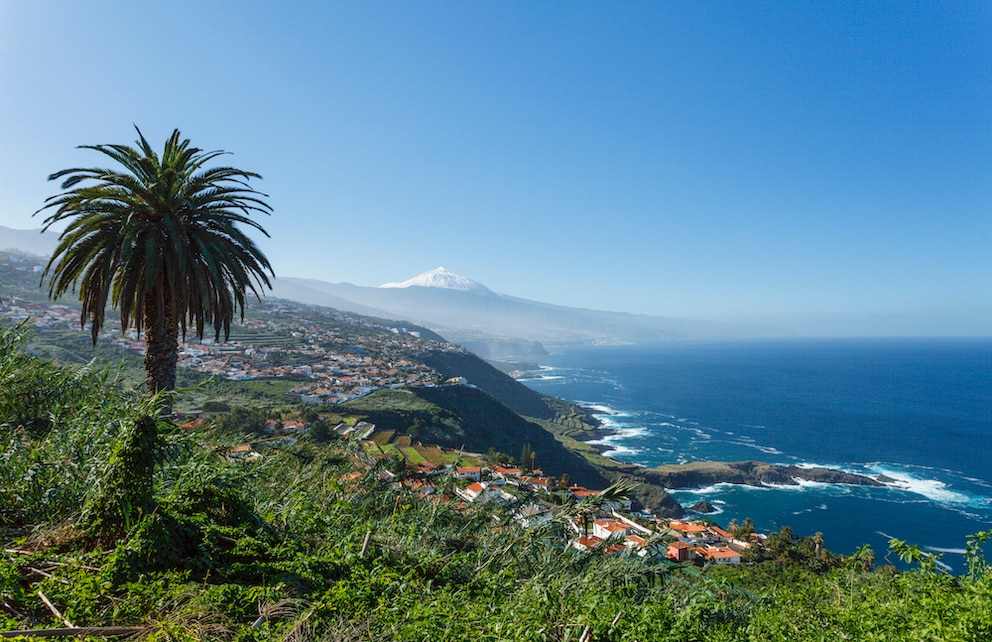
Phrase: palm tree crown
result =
(159, 238)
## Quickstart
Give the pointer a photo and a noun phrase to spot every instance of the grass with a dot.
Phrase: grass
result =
(413, 456)
(221, 543)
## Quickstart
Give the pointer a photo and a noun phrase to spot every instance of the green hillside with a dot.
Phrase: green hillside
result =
(470, 419)
(112, 517)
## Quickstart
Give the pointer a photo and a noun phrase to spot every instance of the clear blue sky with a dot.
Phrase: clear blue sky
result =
(827, 168)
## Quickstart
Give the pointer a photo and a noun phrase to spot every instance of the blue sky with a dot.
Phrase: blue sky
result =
(826, 168)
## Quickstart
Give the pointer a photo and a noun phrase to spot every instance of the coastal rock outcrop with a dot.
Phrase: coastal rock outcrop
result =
(703, 508)
(750, 473)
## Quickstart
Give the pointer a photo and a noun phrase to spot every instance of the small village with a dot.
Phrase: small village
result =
(608, 526)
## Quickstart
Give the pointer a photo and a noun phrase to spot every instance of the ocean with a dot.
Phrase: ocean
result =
(918, 411)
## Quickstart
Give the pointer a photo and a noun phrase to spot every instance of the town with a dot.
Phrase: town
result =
(332, 359)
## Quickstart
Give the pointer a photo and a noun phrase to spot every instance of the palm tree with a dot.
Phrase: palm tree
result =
(159, 237)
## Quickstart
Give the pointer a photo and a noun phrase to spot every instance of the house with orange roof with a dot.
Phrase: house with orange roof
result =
(581, 492)
(537, 483)
(507, 472)
(688, 530)
(586, 543)
(719, 554)
(479, 492)
(352, 476)
(243, 451)
(722, 534)
(635, 541)
(614, 549)
(469, 472)
(420, 486)
(680, 551)
(607, 528)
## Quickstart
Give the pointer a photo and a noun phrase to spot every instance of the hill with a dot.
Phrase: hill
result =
(117, 522)
(31, 242)
(470, 419)
(287, 352)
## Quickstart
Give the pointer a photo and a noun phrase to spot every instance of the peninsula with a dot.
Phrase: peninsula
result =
(750, 473)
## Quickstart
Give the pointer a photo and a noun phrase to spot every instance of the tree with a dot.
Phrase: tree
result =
(494, 457)
(160, 238)
(744, 530)
(527, 457)
(817, 543)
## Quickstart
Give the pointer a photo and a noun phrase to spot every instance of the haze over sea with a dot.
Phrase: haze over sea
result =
(918, 411)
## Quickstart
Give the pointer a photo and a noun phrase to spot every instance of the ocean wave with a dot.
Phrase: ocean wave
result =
(933, 489)
(617, 449)
(718, 488)
(950, 551)
(768, 450)
(810, 509)
(612, 423)
(598, 408)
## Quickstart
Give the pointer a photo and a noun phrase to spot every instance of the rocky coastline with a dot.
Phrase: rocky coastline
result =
(749, 473)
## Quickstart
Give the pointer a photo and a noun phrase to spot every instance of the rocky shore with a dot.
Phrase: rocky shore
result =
(750, 473)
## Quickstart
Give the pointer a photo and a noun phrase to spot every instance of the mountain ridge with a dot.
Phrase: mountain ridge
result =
(469, 313)
(463, 315)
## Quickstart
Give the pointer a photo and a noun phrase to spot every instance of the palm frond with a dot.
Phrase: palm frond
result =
(159, 238)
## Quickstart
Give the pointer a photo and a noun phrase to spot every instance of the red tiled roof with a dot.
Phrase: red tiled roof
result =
(589, 541)
(719, 552)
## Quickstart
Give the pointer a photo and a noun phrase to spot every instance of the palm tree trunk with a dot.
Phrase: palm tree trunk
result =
(161, 343)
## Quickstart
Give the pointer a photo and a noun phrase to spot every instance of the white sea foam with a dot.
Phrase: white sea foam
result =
(944, 566)
(815, 485)
(768, 450)
(950, 551)
(598, 408)
(720, 487)
(933, 489)
(716, 511)
(621, 432)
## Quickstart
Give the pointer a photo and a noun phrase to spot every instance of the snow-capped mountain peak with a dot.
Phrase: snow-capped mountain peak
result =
(441, 278)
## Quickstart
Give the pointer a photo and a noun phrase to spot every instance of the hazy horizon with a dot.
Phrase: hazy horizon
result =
(815, 167)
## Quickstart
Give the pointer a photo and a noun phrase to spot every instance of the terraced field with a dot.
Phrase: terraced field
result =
(386, 442)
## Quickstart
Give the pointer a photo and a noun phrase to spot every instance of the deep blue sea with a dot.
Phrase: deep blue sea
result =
(918, 411)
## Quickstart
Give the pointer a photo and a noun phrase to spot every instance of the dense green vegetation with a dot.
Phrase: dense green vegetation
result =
(119, 518)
